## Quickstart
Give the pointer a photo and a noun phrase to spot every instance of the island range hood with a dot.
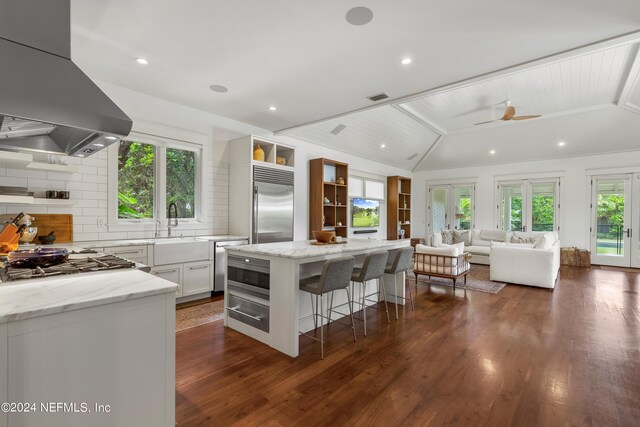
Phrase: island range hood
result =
(47, 104)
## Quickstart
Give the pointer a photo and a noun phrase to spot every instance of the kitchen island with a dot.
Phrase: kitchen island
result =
(275, 316)
(101, 343)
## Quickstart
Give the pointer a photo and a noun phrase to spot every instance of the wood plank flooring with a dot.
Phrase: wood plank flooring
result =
(523, 357)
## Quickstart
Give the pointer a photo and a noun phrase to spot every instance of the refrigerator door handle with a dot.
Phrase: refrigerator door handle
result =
(255, 215)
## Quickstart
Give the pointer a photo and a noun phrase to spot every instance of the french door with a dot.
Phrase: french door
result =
(450, 206)
(615, 220)
(528, 205)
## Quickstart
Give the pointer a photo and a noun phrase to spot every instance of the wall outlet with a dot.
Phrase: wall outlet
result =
(100, 222)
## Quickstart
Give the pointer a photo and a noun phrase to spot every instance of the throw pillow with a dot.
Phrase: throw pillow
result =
(461, 237)
(447, 237)
(516, 239)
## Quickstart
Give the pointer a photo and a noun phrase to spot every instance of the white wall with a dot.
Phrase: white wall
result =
(89, 190)
(306, 151)
(574, 196)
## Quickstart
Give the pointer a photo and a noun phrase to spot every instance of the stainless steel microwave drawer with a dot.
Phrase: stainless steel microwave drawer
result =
(249, 312)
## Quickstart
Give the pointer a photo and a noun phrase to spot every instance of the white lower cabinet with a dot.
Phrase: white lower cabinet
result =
(197, 278)
(172, 273)
(137, 253)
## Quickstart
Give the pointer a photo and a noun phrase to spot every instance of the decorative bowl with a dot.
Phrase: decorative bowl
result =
(48, 239)
(324, 236)
(28, 235)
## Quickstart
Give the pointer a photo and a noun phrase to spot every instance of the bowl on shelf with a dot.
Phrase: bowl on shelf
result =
(48, 239)
(324, 236)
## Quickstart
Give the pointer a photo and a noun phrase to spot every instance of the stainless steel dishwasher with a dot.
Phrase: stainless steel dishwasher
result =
(219, 262)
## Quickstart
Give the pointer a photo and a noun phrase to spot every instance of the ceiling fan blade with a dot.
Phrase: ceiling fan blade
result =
(525, 117)
(490, 121)
(509, 112)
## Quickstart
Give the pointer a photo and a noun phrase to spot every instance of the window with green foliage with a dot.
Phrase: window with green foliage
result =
(181, 181)
(136, 180)
(140, 190)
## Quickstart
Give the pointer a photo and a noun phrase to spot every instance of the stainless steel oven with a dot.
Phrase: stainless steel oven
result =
(248, 275)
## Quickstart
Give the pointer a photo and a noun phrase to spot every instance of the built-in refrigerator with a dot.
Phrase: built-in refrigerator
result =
(272, 219)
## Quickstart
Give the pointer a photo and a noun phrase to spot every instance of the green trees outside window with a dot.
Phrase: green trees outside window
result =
(137, 181)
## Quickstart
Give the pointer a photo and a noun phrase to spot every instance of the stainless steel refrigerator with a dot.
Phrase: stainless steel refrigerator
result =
(272, 205)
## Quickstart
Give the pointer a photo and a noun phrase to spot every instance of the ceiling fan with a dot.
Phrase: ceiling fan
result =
(509, 114)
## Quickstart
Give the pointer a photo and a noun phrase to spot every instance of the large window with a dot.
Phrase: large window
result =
(144, 193)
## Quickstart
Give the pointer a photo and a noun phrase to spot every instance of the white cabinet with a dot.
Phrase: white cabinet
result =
(132, 253)
(197, 278)
(172, 273)
(120, 354)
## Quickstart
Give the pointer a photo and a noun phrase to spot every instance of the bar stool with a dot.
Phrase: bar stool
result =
(372, 269)
(402, 261)
(335, 275)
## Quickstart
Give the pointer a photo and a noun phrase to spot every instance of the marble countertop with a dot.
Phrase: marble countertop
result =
(40, 297)
(304, 249)
(136, 242)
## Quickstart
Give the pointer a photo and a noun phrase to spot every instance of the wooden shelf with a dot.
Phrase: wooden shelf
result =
(322, 174)
(398, 207)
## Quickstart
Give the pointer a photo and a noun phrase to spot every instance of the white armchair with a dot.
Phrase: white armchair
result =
(450, 262)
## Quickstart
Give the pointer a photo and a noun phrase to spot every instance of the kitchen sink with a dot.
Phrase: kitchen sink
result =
(180, 249)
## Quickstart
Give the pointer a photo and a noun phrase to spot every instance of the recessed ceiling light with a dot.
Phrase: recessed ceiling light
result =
(382, 145)
(142, 61)
(218, 88)
(98, 145)
(110, 138)
(561, 143)
(492, 152)
(406, 61)
(359, 16)
(272, 108)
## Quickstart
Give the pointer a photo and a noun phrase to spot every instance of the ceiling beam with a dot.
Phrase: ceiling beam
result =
(632, 82)
(424, 122)
(429, 151)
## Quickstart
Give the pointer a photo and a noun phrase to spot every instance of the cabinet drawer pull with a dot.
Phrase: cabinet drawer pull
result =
(235, 310)
(128, 252)
(198, 267)
(166, 271)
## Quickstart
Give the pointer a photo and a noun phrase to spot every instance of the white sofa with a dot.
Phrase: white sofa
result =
(519, 263)
(523, 264)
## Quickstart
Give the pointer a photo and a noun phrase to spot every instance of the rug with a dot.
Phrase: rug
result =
(199, 315)
(477, 280)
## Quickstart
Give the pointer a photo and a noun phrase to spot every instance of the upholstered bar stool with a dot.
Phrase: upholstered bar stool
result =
(402, 261)
(372, 269)
(335, 276)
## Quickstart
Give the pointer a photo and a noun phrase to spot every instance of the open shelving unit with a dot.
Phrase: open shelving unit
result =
(323, 177)
(398, 207)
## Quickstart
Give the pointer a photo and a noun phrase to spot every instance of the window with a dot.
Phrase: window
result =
(365, 187)
(136, 180)
(181, 181)
(145, 194)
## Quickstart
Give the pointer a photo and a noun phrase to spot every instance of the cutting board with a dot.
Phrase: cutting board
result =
(62, 224)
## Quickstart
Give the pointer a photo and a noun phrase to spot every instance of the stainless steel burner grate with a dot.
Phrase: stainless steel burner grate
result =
(72, 266)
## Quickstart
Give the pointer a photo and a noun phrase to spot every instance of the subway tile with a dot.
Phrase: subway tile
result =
(94, 212)
(49, 184)
(26, 173)
(86, 236)
(94, 178)
(84, 186)
(94, 195)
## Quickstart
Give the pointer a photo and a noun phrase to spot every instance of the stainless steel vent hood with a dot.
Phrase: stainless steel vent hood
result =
(47, 104)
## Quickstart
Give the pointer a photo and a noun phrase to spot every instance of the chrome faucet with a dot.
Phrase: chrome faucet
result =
(172, 222)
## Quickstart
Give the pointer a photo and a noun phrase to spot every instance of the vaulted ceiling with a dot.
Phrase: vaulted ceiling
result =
(306, 60)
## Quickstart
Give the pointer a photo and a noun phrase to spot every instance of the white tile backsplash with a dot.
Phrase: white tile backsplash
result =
(89, 195)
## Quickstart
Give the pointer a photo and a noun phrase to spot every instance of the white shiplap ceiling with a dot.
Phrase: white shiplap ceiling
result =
(304, 58)
(366, 132)
(588, 98)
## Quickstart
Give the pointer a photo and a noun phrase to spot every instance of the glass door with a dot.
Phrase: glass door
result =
(528, 205)
(450, 206)
(439, 207)
(611, 220)
(512, 200)
(635, 222)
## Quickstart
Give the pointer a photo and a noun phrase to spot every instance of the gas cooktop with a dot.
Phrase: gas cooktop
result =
(77, 263)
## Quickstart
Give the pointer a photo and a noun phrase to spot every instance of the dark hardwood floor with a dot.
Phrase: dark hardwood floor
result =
(523, 357)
